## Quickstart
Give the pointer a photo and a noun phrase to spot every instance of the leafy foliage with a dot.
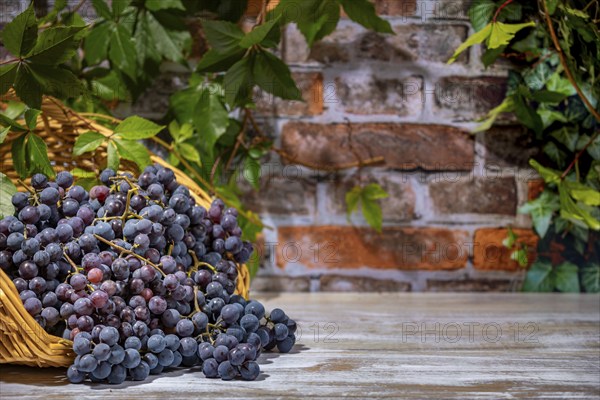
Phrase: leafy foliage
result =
(213, 136)
(554, 93)
(367, 196)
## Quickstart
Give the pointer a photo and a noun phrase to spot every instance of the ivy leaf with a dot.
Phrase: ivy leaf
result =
(38, 156)
(156, 5)
(539, 277)
(259, 33)
(590, 277)
(95, 45)
(556, 83)
(223, 36)
(541, 211)
(55, 45)
(238, 82)
(88, 141)
(102, 9)
(252, 172)
(273, 75)
(112, 158)
(8, 74)
(472, 40)
(549, 175)
(501, 34)
(189, 152)
(122, 51)
(215, 61)
(555, 154)
(507, 105)
(133, 151)
(481, 12)
(134, 128)
(19, 35)
(575, 212)
(372, 212)
(31, 116)
(510, 240)
(549, 96)
(210, 119)
(363, 12)
(550, 116)
(7, 189)
(583, 193)
(566, 136)
(18, 156)
(527, 115)
(3, 134)
(551, 4)
(352, 200)
(567, 278)
(594, 149)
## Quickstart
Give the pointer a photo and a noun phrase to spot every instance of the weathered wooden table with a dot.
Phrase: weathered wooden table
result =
(446, 346)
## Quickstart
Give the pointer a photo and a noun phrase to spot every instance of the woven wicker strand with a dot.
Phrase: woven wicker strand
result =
(22, 339)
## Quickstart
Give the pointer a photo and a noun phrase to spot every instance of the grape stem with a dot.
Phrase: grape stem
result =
(131, 253)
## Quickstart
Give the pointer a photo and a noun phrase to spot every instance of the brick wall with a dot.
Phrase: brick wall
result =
(452, 194)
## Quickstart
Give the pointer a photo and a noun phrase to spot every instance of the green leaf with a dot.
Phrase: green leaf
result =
(549, 175)
(583, 193)
(215, 61)
(549, 96)
(38, 156)
(594, 148)
(556, 83)
(81, 173)
(18, 156)
(134, 128)
(555, 154)
(189, 152)
(510, 240)
(273, 76)
(88, 141)
(566, 136)
(480, 13)
(539, 277)
(8, 74)
(223, 36)
(238, 82)
(472, 40)
(55, 45)
(14, 109)
(7, 189)
(527, 115)
(590, 277)
(144, 41)
(27, 87)
(551, 4)
(550, 116)
(541, 211)
(31, 116)
(3, 133)
(567, 278)
(520, 256)
(122, 51)
(501, 34)
(259, 33)
(315, 18)
(56, 81)
(96, 45)
(19, 35)
(363, 12)
(352, 200)
(155, 5)
(374, 191)
(252, 172)
(118, 6)
(102, 9)
(575, 212)
(133, 151)
(112, 158)
(210, 119)
(372, 212)
(169, 42)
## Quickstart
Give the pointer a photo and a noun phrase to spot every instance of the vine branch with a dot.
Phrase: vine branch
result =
(507, 2)
(563, 62)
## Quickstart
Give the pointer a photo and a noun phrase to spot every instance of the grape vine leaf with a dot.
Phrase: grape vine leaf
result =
(122, 51)
(31, 116)
(368, 197)
(210, 118)
(363, 12)
(156, 5)
(19, 35)
(7, 189)
(112, 158)
(88, 141)
(8, 74)
(501, 33)
(315, 18)
(259, 33)
(55, 45)
(18, 156)
(4, 133)
(472, 40)
(188, 152)
(133, 151)
(238, 82)
(38, 156)
(274, 76)
(223, 36)
(96, 45)
(134, 128)
(102, 9)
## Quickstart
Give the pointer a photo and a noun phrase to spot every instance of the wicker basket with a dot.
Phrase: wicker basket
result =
(22, 339)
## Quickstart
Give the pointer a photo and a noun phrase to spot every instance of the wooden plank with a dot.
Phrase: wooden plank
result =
(405, 345)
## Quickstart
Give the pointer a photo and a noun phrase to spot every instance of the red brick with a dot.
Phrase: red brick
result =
(311, 86)
(509, 146)
(534, 189)
(395, 7)
(404, 146)
(326, 247)
(477, 196)
(281, 196)
(469, 97)
(364, 94)
(490, 254)
(342, 283)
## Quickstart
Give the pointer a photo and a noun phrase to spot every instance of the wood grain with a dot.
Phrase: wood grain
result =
(392, 346)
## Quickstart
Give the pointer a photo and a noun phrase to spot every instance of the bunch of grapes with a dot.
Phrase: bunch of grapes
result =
(138, 276)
